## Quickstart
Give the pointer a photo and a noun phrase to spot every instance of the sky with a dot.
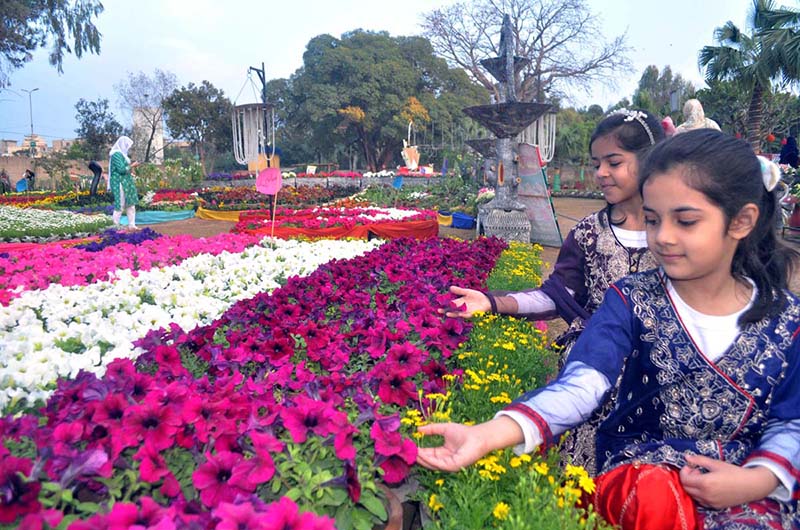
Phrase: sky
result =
(219, 41)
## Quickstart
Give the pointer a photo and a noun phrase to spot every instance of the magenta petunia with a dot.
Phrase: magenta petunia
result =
(18, 496)
(155, 424)
(396, 387)
(213, 478)
(396, 467)
(285, 515)
(242, 516)
(308, 415)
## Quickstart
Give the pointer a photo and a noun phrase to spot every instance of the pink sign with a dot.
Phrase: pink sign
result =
(269, 180)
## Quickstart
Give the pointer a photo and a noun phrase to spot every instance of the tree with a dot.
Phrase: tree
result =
(560, 37)
(201, 114)
(654, 93)
(145, 95)
(770, 54)
(28, 25)
(97, 127)
(356, 92)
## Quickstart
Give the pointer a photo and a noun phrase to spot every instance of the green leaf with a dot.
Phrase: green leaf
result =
(374, 505)
(88, 507)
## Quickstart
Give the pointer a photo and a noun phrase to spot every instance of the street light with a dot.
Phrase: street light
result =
(30, 106)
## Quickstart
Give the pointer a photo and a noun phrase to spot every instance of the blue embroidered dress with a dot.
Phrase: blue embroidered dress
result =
(672, 399)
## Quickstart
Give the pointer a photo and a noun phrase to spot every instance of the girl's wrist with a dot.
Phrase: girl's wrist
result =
(499, 433)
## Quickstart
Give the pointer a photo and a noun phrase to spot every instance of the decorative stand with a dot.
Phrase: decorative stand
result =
(504, 216)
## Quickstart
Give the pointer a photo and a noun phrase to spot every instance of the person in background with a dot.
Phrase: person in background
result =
(704, 353)
(789, 152)
(120, 182)
(695, 118)
(668, 126)
(5, 182)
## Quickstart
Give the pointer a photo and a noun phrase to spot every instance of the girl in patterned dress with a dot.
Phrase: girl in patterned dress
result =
(120, 181)
(602, 248)
(703, 351)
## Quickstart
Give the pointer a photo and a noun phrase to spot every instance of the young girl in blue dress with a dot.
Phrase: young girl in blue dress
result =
(703, 351)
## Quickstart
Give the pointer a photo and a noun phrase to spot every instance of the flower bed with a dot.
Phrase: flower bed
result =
(247, 198)
(39, 267)
(503, 358)
(24, 224)
(57, 332)
(333, 222)
(286, 404)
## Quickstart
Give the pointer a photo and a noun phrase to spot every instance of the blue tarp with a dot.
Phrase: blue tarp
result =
(155, 217)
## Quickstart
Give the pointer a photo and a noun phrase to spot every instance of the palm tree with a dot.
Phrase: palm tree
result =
(770, 54)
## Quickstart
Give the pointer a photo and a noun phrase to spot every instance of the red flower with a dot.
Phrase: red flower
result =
(17, 495)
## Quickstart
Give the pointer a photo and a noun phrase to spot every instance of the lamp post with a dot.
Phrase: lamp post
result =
(30, 106)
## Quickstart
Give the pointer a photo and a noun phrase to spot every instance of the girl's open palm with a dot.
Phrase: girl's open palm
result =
(469, 301)
(462, 447)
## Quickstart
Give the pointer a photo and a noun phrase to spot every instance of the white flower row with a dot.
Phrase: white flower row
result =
(32, 219)
(59, 331)
(382, 214)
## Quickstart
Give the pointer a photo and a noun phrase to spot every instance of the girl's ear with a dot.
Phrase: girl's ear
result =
(744, 222)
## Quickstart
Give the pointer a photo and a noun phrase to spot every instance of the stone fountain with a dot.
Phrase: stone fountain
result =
(504, 216)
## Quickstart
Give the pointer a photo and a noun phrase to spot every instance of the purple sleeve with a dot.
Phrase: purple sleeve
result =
(568, 273)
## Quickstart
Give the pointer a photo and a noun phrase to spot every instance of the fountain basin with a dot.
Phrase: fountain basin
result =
(506, 120)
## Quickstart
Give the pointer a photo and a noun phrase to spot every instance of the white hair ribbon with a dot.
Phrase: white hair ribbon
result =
(639, 116)
(770, 173)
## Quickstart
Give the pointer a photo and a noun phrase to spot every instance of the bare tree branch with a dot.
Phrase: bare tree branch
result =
(561, 38)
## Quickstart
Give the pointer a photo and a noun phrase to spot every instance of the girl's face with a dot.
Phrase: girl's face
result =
(687, 233)
(616, 170)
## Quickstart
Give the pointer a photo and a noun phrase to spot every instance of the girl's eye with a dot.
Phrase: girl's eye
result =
(614, 164)
(649, 221)
(686, 223)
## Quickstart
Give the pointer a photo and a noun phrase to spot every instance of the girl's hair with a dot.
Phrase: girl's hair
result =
(635, 131)
(727, 172)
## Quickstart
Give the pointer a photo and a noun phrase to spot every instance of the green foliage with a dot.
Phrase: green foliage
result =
(351, 93)
(201, 114)
(28, 26)
(758, 60)
(97, 127)
(655, 89)
(171, 174)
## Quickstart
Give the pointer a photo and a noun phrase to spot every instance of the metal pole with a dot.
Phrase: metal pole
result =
(30, 106)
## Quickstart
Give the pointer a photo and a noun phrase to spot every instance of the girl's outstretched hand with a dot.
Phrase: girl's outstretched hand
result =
(464, 445)
(716, 484)
(468, 302)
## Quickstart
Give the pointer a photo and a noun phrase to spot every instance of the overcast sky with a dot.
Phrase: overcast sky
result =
(218, 41)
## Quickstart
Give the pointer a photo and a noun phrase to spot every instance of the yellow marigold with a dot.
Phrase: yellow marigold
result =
(434, 504)
(439, 482)
(575, 471)
(587, 484)
(541, 468)
(515, 462)
(501, 511)
(502, 398)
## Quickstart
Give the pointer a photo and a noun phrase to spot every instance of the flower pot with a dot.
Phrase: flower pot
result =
(794, 219)
(403, 514)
